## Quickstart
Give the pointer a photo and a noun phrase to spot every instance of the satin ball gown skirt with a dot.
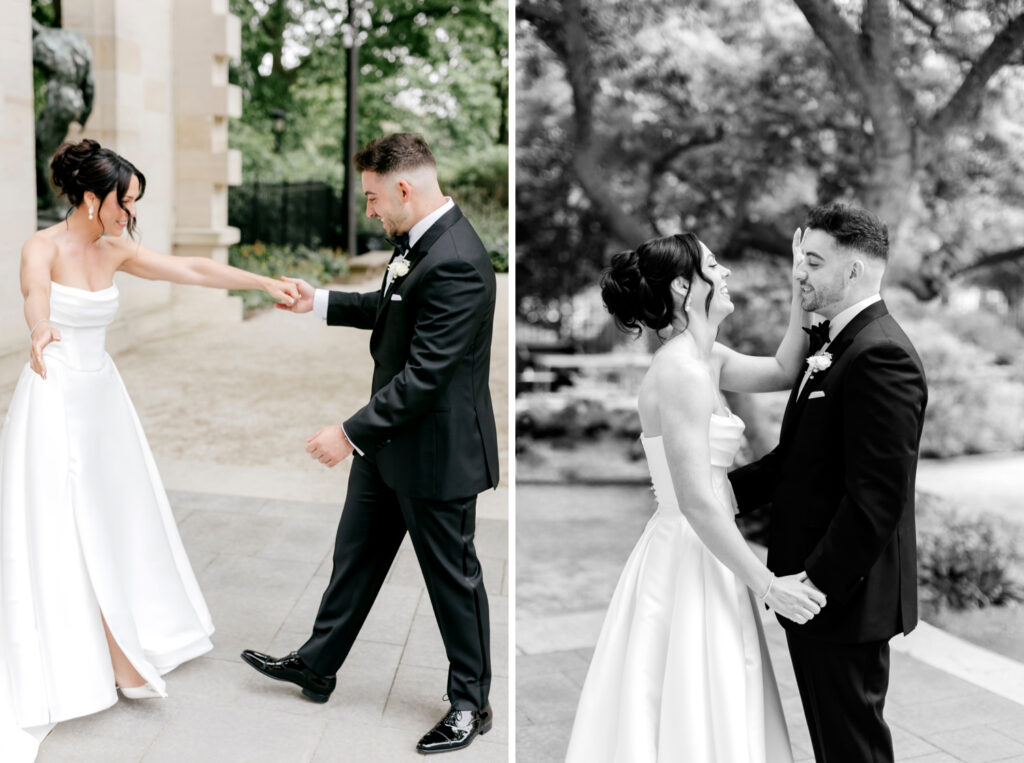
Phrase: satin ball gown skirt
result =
(86, 534)
(681, 670)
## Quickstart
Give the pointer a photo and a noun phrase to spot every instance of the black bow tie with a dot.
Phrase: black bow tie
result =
(819, 336)
(401, 244)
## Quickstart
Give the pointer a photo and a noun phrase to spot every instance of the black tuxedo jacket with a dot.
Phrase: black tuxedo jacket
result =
(841, 483)
(429, 425)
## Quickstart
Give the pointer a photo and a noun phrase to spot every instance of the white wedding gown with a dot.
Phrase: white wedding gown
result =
(681, 672)
(85, 530)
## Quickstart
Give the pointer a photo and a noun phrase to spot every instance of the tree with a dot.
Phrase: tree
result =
(730, 112)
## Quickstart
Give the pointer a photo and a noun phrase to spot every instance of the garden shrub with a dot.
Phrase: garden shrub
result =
(965, 561)
(317, 266)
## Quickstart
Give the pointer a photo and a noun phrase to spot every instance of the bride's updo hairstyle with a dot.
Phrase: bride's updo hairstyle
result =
(86, 166)
(637, 287)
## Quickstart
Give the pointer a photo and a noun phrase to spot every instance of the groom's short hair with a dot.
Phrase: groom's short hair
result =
(395, 152)
(852, 228)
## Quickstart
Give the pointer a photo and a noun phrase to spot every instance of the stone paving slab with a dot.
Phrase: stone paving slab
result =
(263, 565)
(933, 716)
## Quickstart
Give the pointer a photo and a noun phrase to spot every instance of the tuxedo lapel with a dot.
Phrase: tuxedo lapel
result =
(418, 252)
(797, 400)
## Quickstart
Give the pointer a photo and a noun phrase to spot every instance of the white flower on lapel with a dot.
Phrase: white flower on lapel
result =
(398, 268)
(819, 362)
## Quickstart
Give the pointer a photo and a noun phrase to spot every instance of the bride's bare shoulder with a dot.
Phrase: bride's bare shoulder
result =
(678, 365)
(41, 245)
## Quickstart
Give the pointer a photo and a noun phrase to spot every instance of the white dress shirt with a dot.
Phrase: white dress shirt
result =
(322, 296)
(837, 324)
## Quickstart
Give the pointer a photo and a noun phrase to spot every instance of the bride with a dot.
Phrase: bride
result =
(96, 592)
(681, 671)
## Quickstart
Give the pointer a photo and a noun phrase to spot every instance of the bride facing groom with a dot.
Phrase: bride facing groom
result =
(681, 670)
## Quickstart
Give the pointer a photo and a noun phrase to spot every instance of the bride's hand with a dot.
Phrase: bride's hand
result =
(794, 598)
(798, 259)
(283, 292)
(303, 295)
(42, 335)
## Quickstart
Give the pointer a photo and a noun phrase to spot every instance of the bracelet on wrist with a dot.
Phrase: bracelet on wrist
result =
(32, 330)
(767, 590)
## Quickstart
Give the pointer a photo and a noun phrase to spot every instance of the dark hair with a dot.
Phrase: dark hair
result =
(637, 288)
(398, 151)
(851, 227)
(86, 166)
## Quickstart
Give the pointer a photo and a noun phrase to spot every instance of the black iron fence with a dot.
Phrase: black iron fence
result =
(309, 213)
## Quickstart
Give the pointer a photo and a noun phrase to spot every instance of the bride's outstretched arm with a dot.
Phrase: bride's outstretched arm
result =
(36, 262)
(685, 420)
(199, 271)
(748, 373)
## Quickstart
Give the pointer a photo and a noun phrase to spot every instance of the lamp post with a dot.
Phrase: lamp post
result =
(279, 118)
(351, 131)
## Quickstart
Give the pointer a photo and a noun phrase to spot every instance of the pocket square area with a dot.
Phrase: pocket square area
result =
(816, 394)
(396, 297)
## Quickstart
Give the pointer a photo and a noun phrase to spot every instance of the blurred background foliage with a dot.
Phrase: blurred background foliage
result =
(438, 69)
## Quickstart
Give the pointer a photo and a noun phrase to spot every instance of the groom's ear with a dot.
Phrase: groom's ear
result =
(404, 189)
(855, 269)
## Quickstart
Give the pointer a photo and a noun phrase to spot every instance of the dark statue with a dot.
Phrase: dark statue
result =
(66, 60)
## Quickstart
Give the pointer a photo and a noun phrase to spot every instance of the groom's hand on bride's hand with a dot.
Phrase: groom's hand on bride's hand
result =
(795, 598)
(304, 303)
(329, 446)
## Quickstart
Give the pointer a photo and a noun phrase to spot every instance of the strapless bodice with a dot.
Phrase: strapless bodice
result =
(82, 317)
(725, 436)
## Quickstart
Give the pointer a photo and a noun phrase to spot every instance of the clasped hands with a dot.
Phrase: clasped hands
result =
(795, 597)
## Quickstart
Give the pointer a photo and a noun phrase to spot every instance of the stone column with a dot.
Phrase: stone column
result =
(17, 172)
(206, 38)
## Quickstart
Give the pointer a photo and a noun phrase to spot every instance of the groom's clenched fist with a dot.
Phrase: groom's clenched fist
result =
(329, 446)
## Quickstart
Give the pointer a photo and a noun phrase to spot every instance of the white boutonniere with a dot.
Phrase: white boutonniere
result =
(398, 267)
(820, 362)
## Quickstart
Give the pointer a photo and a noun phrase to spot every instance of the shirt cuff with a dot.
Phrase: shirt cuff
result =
(355, 447)
(320, 300)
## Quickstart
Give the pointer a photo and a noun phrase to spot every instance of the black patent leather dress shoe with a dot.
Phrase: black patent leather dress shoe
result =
(456, 730)
(293, 669)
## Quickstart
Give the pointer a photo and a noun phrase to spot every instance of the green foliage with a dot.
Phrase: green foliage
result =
(478, 181)
(480, 174)
(317, 266)
(967, 562)
(45, 12)
(500, 261)
(425, 66)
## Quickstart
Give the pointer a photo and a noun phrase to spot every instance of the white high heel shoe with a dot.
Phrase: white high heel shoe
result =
(146, 691)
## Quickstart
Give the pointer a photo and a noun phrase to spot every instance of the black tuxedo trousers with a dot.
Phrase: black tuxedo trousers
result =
(373, 524)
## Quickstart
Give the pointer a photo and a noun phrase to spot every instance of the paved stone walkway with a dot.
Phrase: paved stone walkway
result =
(573, 536)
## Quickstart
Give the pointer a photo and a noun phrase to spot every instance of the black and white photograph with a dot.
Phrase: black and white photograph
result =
(769, 381)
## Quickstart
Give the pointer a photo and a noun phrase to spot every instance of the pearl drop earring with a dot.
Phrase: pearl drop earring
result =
(90, 213)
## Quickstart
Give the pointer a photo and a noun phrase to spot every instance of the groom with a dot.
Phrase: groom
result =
(841, 486)
(426, 441)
